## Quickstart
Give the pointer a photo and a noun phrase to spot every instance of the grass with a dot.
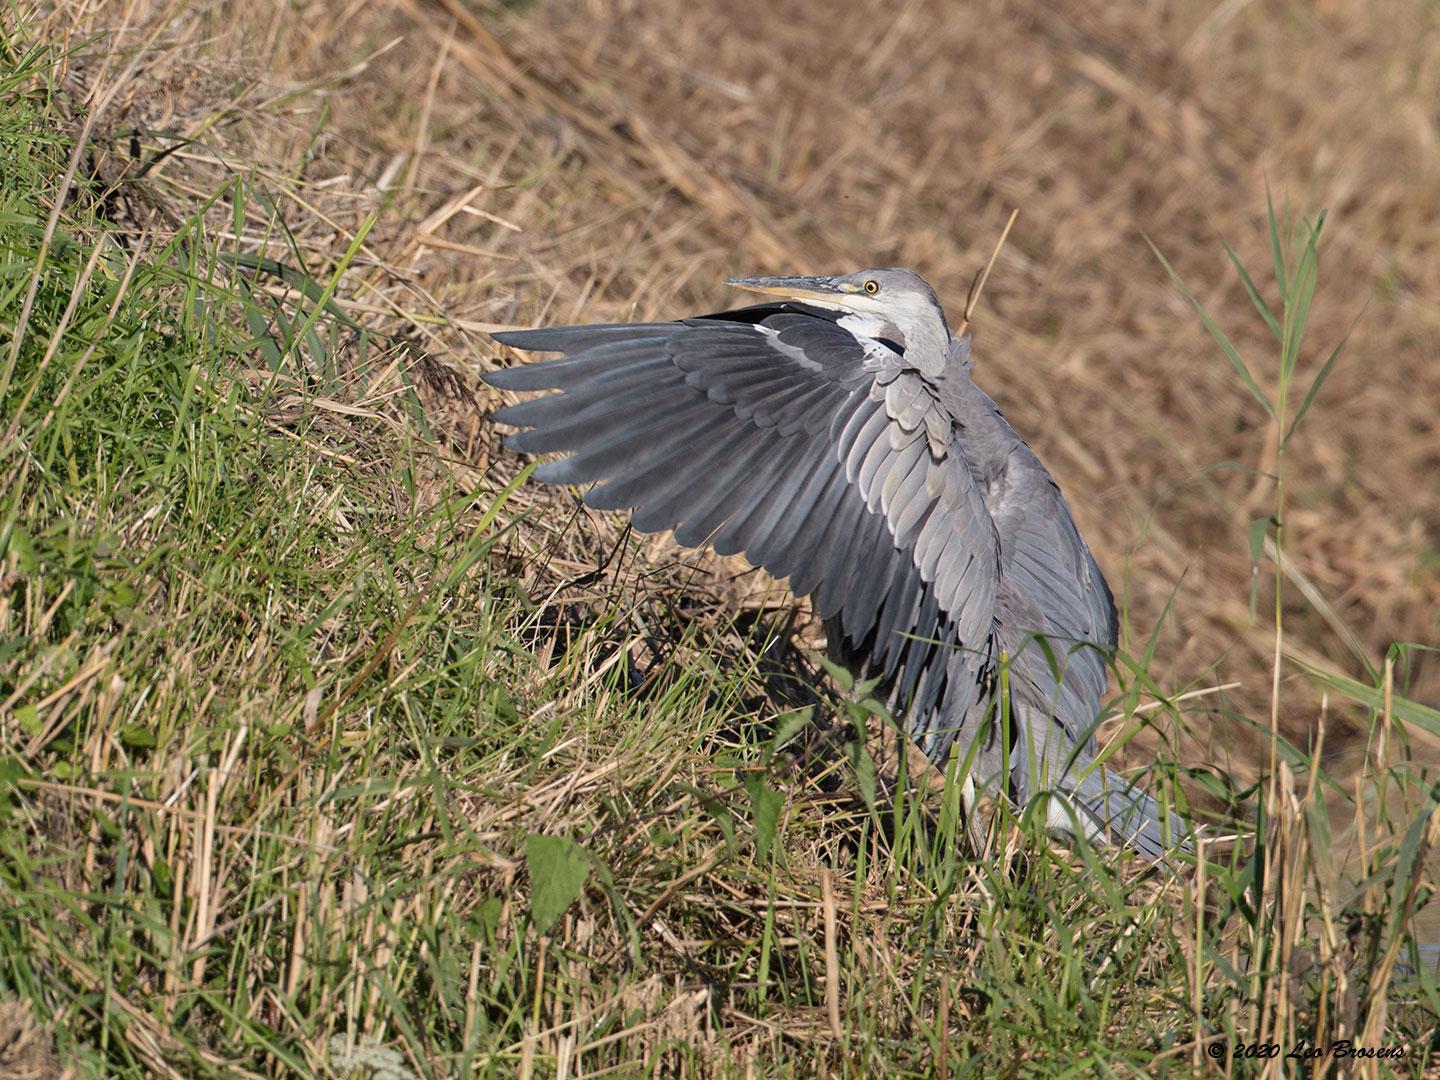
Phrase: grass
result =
(309, 769)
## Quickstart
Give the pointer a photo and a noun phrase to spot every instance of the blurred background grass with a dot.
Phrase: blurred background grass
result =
(648, 150)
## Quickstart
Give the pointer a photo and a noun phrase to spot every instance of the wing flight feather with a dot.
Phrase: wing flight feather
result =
(824, 459)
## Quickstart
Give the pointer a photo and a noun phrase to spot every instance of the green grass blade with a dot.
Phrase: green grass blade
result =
(1373, 697)
(1277, 249)
(1254, 293)
(1297, 314)
(1215, 332)
(1323, 374)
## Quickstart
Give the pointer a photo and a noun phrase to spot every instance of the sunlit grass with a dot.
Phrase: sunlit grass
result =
(299, 779)
(1307, 925)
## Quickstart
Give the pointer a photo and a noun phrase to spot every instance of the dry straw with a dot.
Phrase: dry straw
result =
(475, 166)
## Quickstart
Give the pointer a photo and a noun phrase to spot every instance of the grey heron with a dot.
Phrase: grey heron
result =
(834, 435)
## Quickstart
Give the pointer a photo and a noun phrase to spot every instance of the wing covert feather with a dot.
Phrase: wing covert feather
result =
(823, 459)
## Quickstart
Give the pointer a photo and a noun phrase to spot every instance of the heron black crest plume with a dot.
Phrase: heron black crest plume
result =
(833, 436)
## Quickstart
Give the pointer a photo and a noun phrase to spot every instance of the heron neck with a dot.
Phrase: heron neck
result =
(927, 345)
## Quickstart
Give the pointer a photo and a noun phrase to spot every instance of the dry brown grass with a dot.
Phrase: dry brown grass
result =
(616, 161)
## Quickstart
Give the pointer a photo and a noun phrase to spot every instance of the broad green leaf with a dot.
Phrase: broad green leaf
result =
(843, 678)
(787, 726)
(12, 770)
(865, 772)
(765, 805)
(237, 206)
(28, 719)
(1318, 821)
(558, 868)
(20, 544)
(484, 920)
(865, 688)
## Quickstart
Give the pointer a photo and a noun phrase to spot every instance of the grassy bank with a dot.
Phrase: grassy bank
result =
(323, 751)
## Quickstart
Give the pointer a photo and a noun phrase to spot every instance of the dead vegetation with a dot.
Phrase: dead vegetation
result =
(615, 161)
(488, 165)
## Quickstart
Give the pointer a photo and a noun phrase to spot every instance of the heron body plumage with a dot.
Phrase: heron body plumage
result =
(834, 436)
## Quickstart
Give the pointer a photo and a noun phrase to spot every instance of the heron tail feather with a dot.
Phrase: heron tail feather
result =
(1115, 811)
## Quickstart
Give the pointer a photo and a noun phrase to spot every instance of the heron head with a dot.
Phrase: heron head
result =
(897, 302)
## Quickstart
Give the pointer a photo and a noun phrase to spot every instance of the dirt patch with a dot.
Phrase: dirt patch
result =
(27, 1050)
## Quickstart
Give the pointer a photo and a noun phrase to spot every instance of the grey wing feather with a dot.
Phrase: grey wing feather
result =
(1056, 590)
(1052, 586)
(787, 440)
(1123, 814)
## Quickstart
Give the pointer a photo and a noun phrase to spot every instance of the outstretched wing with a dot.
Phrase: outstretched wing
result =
(1054, 614)
(776, 432)
(1054, 588)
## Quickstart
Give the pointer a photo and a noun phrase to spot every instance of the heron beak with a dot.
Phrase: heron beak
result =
(795, 288)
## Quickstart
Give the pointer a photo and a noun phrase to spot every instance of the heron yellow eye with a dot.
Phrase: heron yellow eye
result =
(872, 287)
